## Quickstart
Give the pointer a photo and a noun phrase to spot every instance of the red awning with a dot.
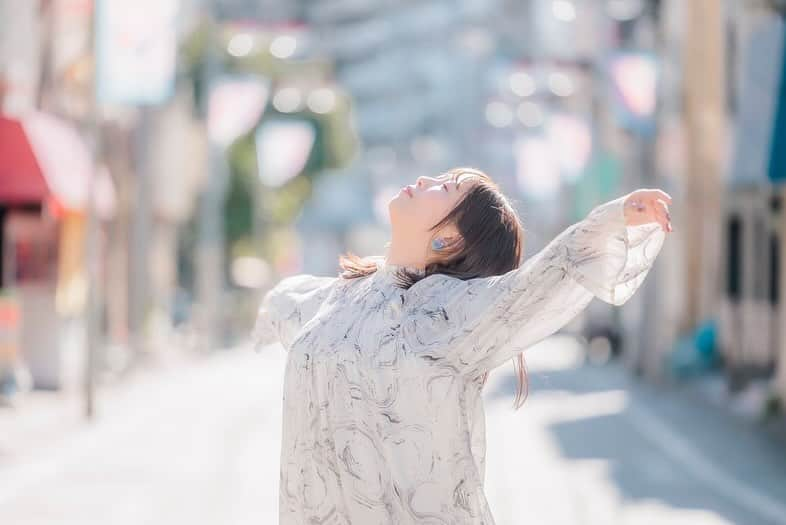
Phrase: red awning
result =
(42, 156)
(21, 178)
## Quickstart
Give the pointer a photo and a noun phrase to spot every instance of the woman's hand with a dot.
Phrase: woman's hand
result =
(648, 205)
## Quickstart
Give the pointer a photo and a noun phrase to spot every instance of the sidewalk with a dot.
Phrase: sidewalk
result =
(43, 418)
(196, 443)
(624, 451)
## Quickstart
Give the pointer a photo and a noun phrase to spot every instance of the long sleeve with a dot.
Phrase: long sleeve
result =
(475, 325)
(288, 306)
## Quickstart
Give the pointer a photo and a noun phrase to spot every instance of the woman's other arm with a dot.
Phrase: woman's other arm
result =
(288, 306)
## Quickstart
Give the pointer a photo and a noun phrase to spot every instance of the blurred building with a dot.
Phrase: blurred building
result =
(753, 342)
(236, 139)
(718, 147)
(415, 80)
(88, 193)
(46, 173)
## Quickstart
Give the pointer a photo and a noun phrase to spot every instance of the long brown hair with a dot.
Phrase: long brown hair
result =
(490, 242)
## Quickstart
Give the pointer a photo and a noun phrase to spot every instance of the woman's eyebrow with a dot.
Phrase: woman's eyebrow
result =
(458, 178)
(445, 178)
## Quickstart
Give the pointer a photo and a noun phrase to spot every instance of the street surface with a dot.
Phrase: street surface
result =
(591, 445)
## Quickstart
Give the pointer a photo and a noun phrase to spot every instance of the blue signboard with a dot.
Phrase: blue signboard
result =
(757, 107)
(777, 167)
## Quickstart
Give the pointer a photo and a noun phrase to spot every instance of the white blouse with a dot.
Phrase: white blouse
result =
(383, 418)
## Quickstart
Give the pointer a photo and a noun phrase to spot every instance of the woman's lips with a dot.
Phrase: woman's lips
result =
(407, 190)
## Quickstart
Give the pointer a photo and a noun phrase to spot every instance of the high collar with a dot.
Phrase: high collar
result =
(388, 270)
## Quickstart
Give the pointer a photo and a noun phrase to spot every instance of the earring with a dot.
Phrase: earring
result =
(437, 244)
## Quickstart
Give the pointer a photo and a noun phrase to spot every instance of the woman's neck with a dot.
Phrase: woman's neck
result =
(405, 253)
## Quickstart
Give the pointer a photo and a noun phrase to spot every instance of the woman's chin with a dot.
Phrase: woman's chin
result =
(397, 207)
(398, 200)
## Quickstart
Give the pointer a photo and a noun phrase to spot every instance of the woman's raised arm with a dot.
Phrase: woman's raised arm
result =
(475, 325)
(288, 306)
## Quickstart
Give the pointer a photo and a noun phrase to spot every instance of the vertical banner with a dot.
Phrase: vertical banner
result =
(136, 49)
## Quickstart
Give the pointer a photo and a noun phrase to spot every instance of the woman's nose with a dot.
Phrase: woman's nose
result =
(422, 181)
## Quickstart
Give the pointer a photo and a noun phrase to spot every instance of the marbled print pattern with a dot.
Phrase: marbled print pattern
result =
(383, 414)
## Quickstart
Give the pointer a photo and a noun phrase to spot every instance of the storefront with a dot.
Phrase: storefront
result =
(45, 172)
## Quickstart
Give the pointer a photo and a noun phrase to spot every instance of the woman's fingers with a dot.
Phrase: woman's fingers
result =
(662, 212)
(665, 196)
(663, 220)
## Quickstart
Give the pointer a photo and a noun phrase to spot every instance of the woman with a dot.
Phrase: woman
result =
(383, 414)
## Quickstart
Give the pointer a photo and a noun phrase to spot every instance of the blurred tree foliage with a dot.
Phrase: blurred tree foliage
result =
(255, 215)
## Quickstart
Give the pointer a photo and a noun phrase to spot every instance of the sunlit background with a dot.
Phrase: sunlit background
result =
(163, 163)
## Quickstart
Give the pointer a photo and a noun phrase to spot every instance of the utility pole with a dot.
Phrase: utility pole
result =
(139, 254)
(704, 96)
(210, 247)
(92, 306)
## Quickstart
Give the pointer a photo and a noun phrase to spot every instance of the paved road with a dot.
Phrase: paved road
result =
(594, 446)
(590, 446)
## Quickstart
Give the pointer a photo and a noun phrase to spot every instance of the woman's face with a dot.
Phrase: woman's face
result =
(417, 207)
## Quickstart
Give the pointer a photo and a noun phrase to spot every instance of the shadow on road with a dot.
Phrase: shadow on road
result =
(658, 444)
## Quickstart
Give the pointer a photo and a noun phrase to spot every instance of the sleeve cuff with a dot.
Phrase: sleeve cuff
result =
(610, 258)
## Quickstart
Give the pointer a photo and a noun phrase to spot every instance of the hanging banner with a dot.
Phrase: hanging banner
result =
(633, 81)
(283, 149)
(136, 48)
(235, 106)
